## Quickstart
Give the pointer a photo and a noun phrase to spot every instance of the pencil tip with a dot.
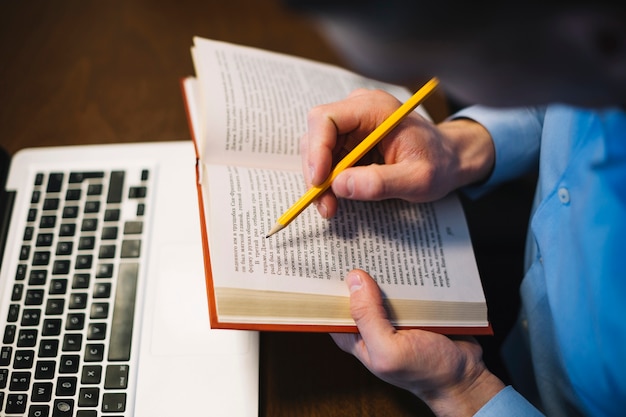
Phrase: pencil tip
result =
(275, 229)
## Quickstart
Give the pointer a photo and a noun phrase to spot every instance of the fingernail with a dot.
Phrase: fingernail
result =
(350, 186)
(354, 281)
(323, 210)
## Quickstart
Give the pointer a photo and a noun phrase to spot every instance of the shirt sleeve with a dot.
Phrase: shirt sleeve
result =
(510, 403)
(516, 135)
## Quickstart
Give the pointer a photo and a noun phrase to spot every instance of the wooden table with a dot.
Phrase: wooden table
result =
(78, 72)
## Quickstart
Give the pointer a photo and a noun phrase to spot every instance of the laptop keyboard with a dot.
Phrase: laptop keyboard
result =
(66, 346)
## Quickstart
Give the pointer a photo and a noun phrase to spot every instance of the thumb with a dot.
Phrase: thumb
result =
(368, 310)
(375, 182)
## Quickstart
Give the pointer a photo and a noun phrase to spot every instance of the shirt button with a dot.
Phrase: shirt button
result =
(564, 195)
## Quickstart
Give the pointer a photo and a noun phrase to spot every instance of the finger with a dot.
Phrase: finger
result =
(370, 316)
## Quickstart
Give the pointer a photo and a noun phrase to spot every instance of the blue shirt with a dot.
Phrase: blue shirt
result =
(567, 353)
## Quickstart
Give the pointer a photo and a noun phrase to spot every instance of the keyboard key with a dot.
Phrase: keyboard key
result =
(88, 397)
(55, 306)
(14, 312)
(83, 261)
(4, 380)
(66, 386)
(31, 317)
(78, 177)
(94, 189)
(42, 392)
(48, 348)
(78, 301)
(113, 402)
(75, 321)
(86, 242)
(47, 222)
(72, 342)
(106, 252)
(123, 312)
(133, 227)
(94, 352)
(20, 381)
(89, 225)
(16, 404)
(45, 369)
(55, 182)
(63, 408)
(131, 249)
(109, 233)
(96, 331)
(102, 290)
(51, 327)
(70, 212)
(18, 290)
(50, 204)
(137, 192)
(44, 239)
(92, 207)
(37, 277)
(41, 258)
(73, 194)
(80, 281)
(35, 197)
(9, 334)
(38, 179)
(27, 338)
(64, 248)
(20, 273)
(61, 266)
(5, 355)
(99, 311)
(28, 233)
(111, 215)
(67, 229)
(24, 359)
(116, 377)
(91, 374)
(32, 215)
(24, 252)
(69, 364)
(116, 187)
(34, 297)
(58, 286)
(104, 271)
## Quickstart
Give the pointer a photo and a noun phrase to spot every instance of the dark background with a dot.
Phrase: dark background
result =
(79, 72)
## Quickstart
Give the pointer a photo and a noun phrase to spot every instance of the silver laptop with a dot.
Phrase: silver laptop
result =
(103, 308)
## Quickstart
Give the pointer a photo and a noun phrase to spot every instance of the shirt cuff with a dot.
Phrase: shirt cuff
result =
(516, 135)
(508, 402)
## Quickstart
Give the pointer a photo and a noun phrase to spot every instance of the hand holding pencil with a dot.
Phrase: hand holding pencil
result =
(357, 153)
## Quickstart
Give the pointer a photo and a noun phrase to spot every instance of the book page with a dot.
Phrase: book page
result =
(413, 251)
(255, 103)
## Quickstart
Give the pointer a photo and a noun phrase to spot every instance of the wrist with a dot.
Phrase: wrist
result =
(472, 144)
(466, 398)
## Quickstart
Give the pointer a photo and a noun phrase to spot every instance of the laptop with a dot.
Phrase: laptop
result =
(103, 308)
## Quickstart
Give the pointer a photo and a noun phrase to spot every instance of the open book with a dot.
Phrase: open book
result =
(247, 110)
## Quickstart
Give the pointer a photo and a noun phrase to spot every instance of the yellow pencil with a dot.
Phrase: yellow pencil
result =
(357, 153)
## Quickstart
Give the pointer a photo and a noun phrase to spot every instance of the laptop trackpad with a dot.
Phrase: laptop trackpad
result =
(180, 313)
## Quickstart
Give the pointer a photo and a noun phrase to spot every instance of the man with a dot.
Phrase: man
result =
(567, 65)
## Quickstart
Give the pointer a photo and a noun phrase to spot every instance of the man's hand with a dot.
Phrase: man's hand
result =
(448, 374)
(417, 161)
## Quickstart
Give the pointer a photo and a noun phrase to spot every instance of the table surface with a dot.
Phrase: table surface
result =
(80, 72)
